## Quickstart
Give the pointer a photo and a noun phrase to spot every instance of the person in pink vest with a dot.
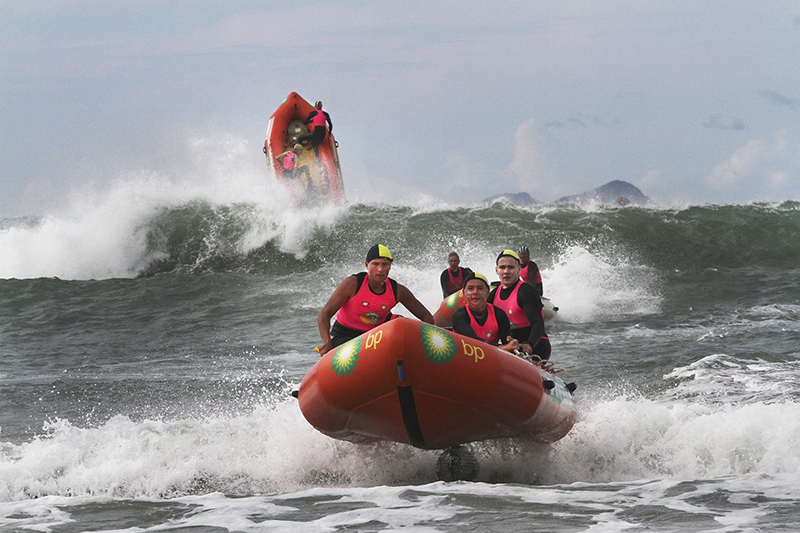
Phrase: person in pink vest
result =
(318, 118)
(291, 170)
(288, 160)
(364, 301)
(452, 278)
(529, 271)
(522, 304)
(480, 319)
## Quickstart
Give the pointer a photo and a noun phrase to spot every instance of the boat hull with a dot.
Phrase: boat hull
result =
(410, 382)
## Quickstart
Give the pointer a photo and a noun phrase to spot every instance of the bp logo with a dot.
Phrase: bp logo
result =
(451, 301)
(345, 359)
(440, 348)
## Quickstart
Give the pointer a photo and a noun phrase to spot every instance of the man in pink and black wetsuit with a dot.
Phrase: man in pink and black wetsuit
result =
(364, 301)
(452, 278)
(481, 320)
(318, 118)
(522, 304)
(529, 271)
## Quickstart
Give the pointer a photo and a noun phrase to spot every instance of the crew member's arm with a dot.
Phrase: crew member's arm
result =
(346, 290)
(461, 323)
(310, 117)
(511, 346)
(504, 331)
(405, 297)
(330, 124)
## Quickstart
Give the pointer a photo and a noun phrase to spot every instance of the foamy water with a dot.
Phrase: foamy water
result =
(135, 404)
(271, 449)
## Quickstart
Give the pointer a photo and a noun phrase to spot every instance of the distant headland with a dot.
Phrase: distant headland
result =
(615, 192)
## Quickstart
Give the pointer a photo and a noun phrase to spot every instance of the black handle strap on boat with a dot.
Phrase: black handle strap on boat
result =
(408, 408)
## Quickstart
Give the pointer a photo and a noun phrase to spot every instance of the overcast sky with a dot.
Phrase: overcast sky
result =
(691, 101)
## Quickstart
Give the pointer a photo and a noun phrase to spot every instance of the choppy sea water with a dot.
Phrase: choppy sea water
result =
(146, 361)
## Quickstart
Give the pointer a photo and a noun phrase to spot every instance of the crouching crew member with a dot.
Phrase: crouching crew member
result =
(481, 320)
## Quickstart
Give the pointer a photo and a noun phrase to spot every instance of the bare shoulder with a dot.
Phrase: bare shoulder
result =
(349, 284)
(346, 289)
(403, 292)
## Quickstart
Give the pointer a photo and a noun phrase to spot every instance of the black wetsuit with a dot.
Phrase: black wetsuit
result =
(534, 275)
(444, 280)
(533, 334)
(462, 323)
(318, 134)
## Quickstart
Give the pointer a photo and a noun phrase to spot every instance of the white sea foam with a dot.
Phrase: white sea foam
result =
(273, 449)
(724, 378)
(101, 233)
(586, 285)
(583, 284)
(743, 503)
(630, 438)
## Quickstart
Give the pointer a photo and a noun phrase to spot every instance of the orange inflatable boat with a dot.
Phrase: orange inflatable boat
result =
(410, 382)
(443, 317)
(318, 175)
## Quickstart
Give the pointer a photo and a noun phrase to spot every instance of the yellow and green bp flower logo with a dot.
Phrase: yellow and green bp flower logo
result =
(345, 359)
(440, 348)
(451, 301)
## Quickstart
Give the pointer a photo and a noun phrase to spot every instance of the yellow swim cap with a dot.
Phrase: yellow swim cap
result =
(477, 275)
(508, 253)
(378, 251)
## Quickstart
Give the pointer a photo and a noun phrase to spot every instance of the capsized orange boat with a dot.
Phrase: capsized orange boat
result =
(410, 382)
(443, 317)
(319, 174)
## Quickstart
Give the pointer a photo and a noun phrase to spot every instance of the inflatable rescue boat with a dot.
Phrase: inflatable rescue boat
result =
(410, 382)
(443, 317)
(317, 177)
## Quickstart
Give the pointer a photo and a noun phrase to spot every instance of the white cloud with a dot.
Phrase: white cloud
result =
(625, 82)
(464, 174)
(653, 178)
(779, 179)
(746, 162)
(739, 165)
(530, 165)
(759, 170)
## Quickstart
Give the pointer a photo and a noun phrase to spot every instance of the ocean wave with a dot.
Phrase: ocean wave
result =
(202, 236)
(271, 449)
